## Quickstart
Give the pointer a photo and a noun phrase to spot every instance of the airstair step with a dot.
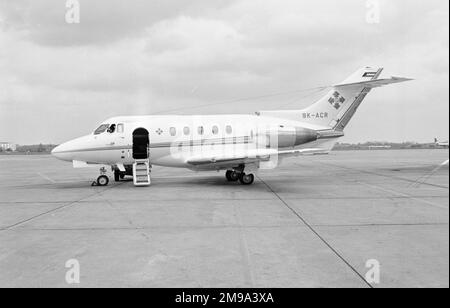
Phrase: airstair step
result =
(141, 173)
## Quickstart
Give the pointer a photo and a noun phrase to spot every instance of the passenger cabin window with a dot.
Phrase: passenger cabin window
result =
(112, 128)
(173, 131)
(201, 130)
(215, 130)
(229, 129)
(101, 129)
(120, 128)
(186, 130)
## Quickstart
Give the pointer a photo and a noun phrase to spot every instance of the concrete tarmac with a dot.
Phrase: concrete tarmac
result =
(313, 222)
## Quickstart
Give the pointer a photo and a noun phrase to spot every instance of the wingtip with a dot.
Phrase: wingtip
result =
(402, 78)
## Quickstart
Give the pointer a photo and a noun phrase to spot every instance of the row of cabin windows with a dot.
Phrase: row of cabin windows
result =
(201, 130)
(119, 128)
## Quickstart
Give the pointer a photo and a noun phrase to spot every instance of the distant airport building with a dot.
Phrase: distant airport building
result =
(7, 146)
(379, 147)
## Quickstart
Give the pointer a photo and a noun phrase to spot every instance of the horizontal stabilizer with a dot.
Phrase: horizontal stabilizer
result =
(337, 107)
(374, 83)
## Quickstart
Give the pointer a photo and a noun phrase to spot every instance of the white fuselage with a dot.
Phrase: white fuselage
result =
(173, 140)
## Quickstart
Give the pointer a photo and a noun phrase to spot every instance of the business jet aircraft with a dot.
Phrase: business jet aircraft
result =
(237, 144)
(442, 144)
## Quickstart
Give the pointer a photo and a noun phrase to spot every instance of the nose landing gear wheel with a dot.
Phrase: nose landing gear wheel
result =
(247, 179)
(102, 180)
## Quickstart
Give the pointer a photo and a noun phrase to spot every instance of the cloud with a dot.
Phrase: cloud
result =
(102, 22)
(133, 57)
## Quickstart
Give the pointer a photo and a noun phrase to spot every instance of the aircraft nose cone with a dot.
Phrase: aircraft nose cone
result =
(69, 151)
(55, 151)
(62, 152)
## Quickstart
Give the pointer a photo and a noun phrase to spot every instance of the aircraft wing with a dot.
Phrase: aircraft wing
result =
(247, 157)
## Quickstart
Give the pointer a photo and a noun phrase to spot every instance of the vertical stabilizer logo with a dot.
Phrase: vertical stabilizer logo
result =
(336, 100)
(370, 74)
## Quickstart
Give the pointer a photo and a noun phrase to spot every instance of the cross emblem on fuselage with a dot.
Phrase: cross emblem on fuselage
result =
(159, 131)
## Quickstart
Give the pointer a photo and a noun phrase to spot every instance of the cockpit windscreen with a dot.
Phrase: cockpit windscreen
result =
(102, 128)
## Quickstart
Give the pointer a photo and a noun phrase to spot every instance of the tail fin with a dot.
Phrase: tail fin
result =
(336, 109)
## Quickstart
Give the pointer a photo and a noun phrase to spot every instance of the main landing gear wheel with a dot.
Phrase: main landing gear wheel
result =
(232, 176)
(102, 180)
(246, 179)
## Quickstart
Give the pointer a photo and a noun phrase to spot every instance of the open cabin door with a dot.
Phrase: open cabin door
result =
(141, 153)
(141, 144)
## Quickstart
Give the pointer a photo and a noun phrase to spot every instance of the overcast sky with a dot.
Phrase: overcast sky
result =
(59, 80)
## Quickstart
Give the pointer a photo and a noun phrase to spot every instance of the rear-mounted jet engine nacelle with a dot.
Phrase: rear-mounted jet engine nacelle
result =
(289, 137)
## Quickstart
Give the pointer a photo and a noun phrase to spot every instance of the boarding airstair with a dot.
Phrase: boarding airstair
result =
(141, 172)
(141, 156)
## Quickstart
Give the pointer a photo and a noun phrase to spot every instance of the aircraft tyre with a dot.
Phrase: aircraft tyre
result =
(102, 180)
(232, 176)
(246, 179)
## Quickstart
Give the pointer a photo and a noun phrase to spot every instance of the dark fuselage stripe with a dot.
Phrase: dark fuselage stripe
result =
(217, 141)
